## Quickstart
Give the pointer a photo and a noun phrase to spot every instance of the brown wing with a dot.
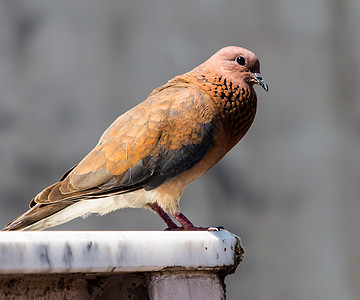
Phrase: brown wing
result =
(157, 140)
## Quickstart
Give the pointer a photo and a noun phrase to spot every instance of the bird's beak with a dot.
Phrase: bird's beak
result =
(261, 81)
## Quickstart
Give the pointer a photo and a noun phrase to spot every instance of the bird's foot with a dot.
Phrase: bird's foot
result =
(216, 228)
(187, 225)
(194, 228)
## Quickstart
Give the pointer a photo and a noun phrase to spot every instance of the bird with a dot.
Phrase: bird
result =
(148, 155)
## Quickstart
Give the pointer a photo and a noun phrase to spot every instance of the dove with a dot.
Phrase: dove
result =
(148, 155)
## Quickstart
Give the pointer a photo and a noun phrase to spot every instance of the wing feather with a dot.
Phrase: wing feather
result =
(159, 139)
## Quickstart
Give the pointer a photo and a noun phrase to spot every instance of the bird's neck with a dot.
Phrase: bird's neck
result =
(236, 104)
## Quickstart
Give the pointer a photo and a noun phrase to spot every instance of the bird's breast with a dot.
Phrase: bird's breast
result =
(237, 113)
(236, 106)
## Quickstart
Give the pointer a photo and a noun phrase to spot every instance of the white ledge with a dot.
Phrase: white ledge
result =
(117, 251)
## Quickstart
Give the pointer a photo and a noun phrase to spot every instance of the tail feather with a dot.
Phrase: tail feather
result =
(45, 215)
(35, 217)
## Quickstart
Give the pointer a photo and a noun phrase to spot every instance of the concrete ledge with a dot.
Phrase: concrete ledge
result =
(113, 264)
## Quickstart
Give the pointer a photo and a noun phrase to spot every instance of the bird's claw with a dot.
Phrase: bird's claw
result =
(194, 228)
(217, 228)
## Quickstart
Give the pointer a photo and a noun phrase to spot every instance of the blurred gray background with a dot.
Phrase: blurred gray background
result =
(290, 189)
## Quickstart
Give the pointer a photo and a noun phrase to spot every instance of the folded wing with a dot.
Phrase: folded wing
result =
(154, 142)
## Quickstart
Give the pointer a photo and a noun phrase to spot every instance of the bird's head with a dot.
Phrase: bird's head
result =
(237, 65)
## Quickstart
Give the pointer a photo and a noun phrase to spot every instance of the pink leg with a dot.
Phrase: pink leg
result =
(184, 221)
(187, 225)
(164, 216)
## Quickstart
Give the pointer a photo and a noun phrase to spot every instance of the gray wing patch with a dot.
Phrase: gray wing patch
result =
(175, 162)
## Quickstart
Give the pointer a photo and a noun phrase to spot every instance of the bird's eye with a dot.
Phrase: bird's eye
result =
(240, 60)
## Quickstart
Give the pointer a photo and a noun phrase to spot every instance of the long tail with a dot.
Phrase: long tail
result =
(45, 215)
(40, 216)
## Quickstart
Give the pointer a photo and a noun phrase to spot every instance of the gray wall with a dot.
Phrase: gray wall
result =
(290, 189)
